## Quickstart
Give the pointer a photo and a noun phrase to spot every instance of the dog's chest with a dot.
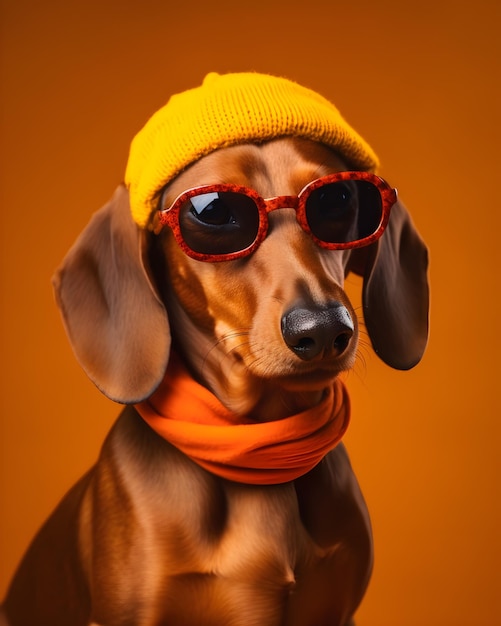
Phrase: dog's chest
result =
(242, 556)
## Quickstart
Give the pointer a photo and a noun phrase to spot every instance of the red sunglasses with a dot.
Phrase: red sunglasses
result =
(225, 222)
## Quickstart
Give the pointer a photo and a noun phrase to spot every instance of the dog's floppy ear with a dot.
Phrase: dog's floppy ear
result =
(395, 291)
(115, 320)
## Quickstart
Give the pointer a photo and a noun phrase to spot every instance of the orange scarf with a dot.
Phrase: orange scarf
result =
(236, 448)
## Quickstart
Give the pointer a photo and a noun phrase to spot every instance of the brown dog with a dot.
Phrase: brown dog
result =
(149, 538)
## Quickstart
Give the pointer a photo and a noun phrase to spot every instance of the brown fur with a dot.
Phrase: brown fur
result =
(147, 538)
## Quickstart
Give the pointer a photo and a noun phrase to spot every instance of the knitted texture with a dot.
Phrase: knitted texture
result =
(226, 110)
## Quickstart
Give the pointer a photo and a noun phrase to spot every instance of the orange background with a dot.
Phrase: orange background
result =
(420, 81)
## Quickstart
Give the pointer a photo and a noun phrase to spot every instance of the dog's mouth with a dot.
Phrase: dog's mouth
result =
(308, 379)
(269, 389)
(294, 374)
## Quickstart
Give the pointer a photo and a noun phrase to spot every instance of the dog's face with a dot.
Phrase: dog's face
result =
(274, 327)
(267, 332)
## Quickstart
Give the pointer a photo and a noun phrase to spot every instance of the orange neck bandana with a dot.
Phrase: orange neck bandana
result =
(234, 447)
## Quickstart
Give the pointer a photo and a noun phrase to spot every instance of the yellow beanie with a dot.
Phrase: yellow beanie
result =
(226, 110)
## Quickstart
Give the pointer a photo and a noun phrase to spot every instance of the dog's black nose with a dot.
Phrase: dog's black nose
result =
(310, 332)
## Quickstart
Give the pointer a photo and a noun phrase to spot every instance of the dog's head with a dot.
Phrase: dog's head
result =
(258, 328)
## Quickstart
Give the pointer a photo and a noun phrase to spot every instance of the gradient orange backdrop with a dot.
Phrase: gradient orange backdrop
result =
(420, 81)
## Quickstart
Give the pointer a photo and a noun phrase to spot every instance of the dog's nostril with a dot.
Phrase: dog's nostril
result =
(341, 341)
(310, 333)
(305, 344)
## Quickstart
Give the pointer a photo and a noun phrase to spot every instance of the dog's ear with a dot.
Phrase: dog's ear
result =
(115, 320)
(395, 291)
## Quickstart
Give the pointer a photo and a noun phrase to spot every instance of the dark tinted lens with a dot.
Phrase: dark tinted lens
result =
(219, 223)
(344, 211)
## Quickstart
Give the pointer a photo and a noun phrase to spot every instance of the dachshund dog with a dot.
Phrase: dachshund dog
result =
(149, 537)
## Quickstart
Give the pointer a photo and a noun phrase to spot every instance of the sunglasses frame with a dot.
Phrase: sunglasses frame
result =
(170, 215)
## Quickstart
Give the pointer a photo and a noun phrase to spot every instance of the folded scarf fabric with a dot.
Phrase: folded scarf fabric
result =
(235, 447)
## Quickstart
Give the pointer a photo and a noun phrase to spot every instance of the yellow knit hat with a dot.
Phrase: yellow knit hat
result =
(226, 110)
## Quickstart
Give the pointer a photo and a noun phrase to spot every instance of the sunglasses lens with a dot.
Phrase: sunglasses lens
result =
(220, 222)
(344, 211)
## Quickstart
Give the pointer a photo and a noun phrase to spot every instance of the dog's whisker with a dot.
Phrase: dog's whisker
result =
(221, 341)
(363, 349)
